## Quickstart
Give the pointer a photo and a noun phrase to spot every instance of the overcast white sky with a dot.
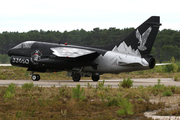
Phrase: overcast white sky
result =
(26, 15)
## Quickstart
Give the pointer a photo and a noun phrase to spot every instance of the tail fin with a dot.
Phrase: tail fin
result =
(141, 40)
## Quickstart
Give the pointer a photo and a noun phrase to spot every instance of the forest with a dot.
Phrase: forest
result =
(166, 46)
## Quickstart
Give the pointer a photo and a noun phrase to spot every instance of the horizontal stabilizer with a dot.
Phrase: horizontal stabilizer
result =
(163, 64)
(5, 65)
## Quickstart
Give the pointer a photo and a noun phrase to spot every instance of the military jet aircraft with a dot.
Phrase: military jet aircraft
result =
(130, 54)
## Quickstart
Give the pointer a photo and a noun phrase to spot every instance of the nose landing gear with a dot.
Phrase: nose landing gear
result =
(35, 77)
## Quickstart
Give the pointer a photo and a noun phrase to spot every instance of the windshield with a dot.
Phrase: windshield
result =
(24, 45)
(19, 46)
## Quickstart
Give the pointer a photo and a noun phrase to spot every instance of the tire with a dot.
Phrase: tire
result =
(95, 78)
(76, 77)
(38, 77)
(34, 77)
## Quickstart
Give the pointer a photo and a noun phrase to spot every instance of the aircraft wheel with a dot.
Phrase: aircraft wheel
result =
(38, 77)
(76, 77)
(95, 77)
(35, 77)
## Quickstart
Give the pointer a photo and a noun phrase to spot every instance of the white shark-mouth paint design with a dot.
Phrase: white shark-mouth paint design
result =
(143, 39)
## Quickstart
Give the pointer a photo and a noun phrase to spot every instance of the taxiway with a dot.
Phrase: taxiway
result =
(83, 83)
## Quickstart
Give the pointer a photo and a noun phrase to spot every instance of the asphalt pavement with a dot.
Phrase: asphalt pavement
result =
(112, 82)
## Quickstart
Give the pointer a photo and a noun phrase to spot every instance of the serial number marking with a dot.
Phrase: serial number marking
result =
(20, 60)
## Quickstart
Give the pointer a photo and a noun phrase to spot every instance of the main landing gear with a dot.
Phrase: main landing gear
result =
(95, 78)
(77, 76)
(35, 77)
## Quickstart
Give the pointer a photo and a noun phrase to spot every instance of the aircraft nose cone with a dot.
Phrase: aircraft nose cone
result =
(9, 52)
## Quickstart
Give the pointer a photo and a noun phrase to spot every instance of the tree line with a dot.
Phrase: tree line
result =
(167, 43)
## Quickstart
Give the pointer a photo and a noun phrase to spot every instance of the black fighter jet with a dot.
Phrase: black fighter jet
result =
(130, 54)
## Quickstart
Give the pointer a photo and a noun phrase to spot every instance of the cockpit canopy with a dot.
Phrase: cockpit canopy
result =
(24, 45)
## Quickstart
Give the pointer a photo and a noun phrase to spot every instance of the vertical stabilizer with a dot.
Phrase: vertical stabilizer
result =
(140, 41)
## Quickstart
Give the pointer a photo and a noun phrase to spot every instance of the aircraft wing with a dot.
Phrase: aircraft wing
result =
(74, 53)
(70, 52)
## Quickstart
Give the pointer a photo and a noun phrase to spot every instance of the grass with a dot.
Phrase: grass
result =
(33, 102)
(19, 73)
(126, 83)
(175, 112)
(82, 103)
(28, 86)
(167, 93)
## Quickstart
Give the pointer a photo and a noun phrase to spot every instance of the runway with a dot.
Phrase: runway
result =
(114, 82)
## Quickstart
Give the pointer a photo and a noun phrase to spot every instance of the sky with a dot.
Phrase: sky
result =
(68, 15)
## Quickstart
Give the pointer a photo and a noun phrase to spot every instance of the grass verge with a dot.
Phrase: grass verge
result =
(83, 103)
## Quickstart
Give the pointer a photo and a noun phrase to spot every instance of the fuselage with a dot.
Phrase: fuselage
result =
(37, 56)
